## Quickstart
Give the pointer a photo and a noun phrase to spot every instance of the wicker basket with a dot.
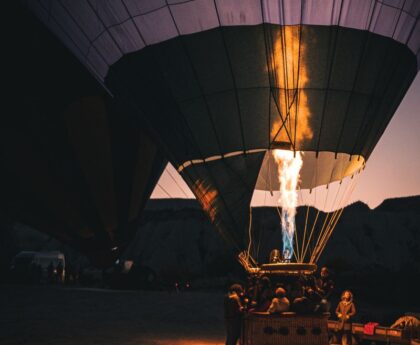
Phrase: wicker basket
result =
(287, 328)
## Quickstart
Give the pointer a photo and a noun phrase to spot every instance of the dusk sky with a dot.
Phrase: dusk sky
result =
(393, 169)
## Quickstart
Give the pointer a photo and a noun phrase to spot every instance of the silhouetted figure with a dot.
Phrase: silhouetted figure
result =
(345, 311)
(50, 273)
(280, 303)
(307, 304)
(251, 291)
(265, 294)
(60, 272)
(325, 287)
(315, 300)
(233, 313)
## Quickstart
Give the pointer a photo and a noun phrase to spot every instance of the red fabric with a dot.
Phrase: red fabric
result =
(369, 328)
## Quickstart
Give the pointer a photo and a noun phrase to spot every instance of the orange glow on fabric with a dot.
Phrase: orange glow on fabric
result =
(289, 68)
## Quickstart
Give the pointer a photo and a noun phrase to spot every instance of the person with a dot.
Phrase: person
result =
(233, 313)
(275, 256)
(308, 303)
(265, 294)
(410, 324)
(280, 303)
(325, 287)
(345, 311)
(60, 272)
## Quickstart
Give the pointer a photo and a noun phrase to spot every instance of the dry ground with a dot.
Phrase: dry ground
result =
(71, 316)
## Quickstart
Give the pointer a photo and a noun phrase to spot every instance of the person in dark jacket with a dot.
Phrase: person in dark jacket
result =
(345, 311)
(325, 287)
(233, 313)
(265, 294)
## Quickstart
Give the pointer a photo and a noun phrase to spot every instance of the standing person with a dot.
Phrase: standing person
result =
(325, 287)
(233, 313)
(60, 272)
(345, 311)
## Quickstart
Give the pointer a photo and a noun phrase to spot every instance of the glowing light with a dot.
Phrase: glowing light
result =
(207, 198)
(289, 66)
(288, 165)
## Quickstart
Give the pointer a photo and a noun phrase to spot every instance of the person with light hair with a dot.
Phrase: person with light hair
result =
(345, 311)
(280, 303)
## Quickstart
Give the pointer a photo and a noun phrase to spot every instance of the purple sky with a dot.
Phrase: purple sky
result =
(393, 169)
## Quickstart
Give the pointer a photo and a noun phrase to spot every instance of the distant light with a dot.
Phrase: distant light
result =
(114, 249)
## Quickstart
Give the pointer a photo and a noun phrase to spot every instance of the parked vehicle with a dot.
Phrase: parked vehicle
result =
(32, 266)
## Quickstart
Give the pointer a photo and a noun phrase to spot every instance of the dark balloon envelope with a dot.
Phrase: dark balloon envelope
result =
(75, 163)
(223, 82)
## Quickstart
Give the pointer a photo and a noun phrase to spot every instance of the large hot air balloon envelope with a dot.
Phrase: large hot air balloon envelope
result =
(75, 163)
(223, 82)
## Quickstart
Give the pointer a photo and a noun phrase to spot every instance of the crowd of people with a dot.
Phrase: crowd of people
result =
(303, 295)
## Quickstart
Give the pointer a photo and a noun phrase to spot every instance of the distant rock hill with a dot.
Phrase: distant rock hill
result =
(176, 236)
(406, 205)
(176, 239)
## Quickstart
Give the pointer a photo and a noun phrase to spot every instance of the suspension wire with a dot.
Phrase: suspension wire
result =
(337, 217)
(321, 232)
(324, 231)
(316, 180)
(304, 233)
(262, 228)
(248, 256)
(311, 233)
(296, 244)
(260, 233)
(327, 214)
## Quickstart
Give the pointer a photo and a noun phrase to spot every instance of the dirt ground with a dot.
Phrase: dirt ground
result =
(72, 316)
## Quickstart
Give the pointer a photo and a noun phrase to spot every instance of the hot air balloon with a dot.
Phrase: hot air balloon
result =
(223, 83)
(75, 164)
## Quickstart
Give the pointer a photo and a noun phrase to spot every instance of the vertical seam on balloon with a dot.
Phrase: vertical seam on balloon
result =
(85, 34)
(147, 45)
(84, 55)
(268, 74)
(362, 56)
(298, 74)
(380, 132)
(134, 23)
(233, 77)
(335, 38)
(187, 54)
(208, 113)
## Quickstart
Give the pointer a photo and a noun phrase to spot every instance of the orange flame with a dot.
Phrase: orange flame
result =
(289, 68)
